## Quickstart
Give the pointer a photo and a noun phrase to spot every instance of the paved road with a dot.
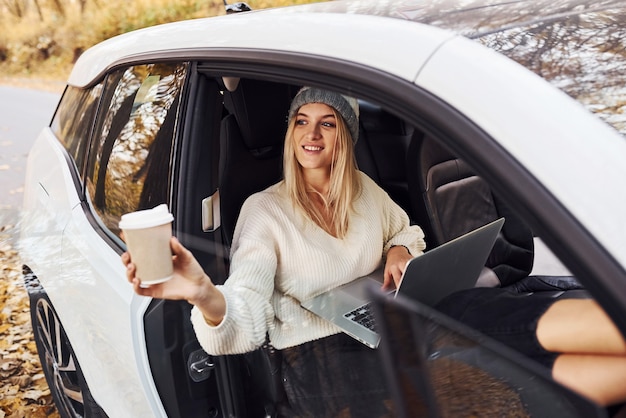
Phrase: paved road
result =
(23, 113)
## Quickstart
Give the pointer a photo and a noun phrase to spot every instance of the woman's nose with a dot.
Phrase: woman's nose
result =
(314, 132)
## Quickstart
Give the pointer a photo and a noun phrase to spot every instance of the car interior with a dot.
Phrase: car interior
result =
(438, 191)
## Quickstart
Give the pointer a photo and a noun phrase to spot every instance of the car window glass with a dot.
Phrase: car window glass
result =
(130, 160)
(73, 121)
(440, 365)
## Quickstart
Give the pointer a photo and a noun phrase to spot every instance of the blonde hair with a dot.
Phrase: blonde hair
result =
(345, 185)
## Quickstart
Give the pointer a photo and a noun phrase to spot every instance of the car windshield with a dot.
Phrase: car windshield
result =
(583, 56)
(580, 50)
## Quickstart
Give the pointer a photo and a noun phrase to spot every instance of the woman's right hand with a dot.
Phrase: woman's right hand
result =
(397, 259)
(189, 282)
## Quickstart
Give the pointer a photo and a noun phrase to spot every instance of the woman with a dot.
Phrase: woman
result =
(326, 224)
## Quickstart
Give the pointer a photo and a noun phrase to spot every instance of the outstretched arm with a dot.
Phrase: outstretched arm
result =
(190, 283)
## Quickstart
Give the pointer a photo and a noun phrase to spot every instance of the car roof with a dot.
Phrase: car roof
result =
(541, 35)
(273, 30)
(575, 45)
(347, 23)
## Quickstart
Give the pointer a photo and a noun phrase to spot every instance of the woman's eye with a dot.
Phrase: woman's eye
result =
(328, 124)
(300, 122)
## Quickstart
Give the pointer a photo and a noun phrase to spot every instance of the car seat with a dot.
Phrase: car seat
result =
(448, 199)
(381, 150)
(251, 145)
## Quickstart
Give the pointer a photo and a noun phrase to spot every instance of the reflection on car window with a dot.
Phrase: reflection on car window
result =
(130, 158)
(441, 366)
(584, 57)
(73, 121)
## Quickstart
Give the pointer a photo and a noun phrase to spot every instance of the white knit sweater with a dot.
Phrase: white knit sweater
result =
(280, 257)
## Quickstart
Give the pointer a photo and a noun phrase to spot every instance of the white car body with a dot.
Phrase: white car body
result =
(577, 158)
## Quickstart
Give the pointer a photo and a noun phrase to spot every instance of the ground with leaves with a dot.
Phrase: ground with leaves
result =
(23, 388)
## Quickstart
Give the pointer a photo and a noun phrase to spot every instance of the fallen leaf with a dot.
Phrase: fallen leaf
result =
(24, 391)
(22, 381)
(8, 365)
(33, 394)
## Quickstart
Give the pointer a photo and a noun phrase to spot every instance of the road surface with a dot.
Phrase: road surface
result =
(23, 113)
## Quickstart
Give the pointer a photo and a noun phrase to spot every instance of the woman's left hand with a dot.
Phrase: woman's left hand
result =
(397, 258)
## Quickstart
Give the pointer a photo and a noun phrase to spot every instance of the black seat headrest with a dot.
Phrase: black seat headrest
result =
(375, 119)
(260, 108)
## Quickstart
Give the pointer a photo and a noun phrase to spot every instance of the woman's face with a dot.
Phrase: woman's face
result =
(315, 136)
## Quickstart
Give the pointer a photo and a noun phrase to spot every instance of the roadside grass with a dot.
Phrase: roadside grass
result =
(44, 43)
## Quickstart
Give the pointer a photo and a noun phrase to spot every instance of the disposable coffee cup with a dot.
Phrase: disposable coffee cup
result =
(147, 234)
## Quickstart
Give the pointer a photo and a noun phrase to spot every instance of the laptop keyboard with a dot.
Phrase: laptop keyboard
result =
(362, 316)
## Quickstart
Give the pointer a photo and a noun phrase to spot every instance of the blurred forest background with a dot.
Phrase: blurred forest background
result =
(43, 38)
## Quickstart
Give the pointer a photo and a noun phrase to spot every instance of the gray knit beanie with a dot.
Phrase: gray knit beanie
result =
(348, 107)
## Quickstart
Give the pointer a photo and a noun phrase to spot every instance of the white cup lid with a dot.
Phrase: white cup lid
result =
(146, 218)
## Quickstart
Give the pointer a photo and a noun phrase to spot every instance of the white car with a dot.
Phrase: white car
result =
(470, 110)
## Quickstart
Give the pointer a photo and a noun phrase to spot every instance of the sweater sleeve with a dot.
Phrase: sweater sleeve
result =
(249, 288)
(397, 227)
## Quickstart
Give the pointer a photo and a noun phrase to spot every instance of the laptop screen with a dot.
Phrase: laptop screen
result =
(438, 367)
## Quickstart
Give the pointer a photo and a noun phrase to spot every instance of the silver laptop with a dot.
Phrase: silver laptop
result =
(454, 265)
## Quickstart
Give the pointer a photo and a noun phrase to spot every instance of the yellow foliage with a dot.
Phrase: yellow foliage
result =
(44, 42)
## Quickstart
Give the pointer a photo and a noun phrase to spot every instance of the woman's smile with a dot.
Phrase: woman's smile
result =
(312, 148)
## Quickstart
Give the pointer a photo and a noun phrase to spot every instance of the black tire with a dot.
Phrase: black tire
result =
(63, 373)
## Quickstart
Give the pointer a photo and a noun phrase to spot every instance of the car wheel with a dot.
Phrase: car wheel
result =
(66, 381)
